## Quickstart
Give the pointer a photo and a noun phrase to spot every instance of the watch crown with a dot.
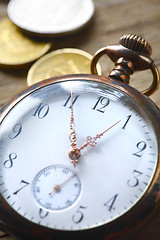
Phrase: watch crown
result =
(136, 43)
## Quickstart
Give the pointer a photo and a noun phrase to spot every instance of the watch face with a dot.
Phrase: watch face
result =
(76, 155)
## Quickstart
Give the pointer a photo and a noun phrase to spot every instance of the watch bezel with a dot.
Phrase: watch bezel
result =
(131, 220)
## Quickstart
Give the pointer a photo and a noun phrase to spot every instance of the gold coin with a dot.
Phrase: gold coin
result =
(16, 50)
(60, 62)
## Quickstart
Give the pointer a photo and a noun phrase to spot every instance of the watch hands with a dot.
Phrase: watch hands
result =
(74, 153)
(57, 187)
(92, 140)
(72, 136)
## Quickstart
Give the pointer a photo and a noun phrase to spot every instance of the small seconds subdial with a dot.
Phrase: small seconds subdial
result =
(56, 187)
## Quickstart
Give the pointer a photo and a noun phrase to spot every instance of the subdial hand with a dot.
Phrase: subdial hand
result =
(73, 153)
(92, 140)
(57, 187)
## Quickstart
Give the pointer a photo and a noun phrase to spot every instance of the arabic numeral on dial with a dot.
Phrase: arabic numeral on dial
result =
(68, 101)
(9, 162)
(78, 216)
(66, 171)
(110, 203)
(43, 213)
(23, 185)
(134, 181)
(76, 185)
(46, 173)
(41, 111)
(48, 205)
(128, 118)
(15, 131)
(101, 104)
(141, 146)
(68, 203)
(36, 189)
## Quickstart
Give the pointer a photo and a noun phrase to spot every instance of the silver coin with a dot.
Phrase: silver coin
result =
(50, 17)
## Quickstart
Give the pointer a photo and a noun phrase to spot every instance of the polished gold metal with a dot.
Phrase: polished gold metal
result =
(60, 62)
(132, 54)
(16, 50)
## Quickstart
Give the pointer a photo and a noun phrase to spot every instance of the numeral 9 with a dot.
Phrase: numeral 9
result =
(15, 131)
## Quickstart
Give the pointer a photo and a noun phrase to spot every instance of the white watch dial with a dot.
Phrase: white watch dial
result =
(56, 187)
(118, 155)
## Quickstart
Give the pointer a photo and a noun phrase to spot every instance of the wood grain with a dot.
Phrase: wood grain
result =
(112, 19)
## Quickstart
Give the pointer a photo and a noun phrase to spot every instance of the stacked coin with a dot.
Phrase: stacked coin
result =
(60, 62)
(16, 49)
(44, 18)
(50, 18)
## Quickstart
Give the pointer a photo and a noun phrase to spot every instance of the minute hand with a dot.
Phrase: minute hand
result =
(92, 141)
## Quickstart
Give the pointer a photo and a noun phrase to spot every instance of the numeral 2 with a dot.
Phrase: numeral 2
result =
(141, 146)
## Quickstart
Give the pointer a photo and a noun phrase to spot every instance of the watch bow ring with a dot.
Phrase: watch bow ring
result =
(132, 54)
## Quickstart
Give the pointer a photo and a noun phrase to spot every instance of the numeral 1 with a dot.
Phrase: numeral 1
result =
(128, 118)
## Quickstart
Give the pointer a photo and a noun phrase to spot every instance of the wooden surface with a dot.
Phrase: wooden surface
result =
(112, 19)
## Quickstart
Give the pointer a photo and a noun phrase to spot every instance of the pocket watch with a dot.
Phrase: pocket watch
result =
(80, 153)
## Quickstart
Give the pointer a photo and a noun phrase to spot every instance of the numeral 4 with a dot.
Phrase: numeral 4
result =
(111, 202)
